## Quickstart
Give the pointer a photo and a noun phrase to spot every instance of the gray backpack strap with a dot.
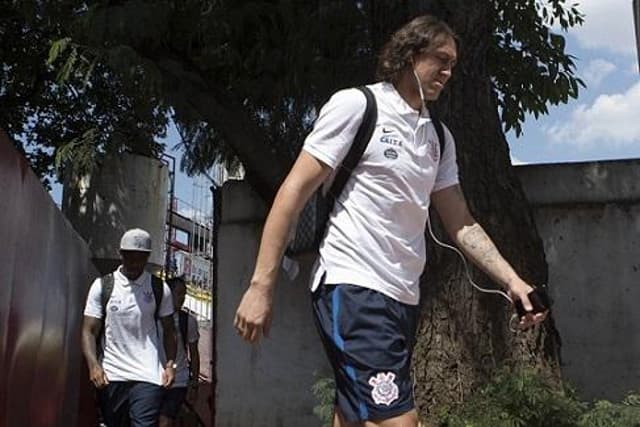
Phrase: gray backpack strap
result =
(158, 290)
(107, 282)
(183, 327)
(439, 131)
(106, 289)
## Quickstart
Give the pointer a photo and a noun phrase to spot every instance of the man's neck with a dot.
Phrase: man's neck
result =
(129, 275)
(407, 87)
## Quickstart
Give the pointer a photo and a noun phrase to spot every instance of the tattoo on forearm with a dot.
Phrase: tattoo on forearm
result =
(476, 242)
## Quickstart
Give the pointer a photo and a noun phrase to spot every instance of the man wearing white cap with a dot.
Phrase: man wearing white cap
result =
(121, 311)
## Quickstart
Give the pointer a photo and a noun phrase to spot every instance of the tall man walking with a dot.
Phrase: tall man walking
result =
(121, 312)
(365, 286)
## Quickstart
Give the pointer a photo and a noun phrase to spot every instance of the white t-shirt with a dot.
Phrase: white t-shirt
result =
(193, 335)
(131, 341)
(375, 234)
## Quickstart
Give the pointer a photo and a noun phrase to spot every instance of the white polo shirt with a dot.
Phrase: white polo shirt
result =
(375, 234)
(131, 341)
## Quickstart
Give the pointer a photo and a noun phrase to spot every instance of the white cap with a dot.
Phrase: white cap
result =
(136, 239)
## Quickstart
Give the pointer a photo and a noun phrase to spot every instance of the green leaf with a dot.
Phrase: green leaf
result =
(57, 48)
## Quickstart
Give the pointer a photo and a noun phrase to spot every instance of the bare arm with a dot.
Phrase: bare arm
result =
(169, 343)
(254, 312)
(194, 362)
(91, 327)
(305, 177)
(194, 366)
(471, 238)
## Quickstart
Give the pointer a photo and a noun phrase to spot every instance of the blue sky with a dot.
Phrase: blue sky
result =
(604, 122)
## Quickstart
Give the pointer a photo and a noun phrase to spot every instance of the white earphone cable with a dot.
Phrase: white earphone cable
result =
(454, 249)
(466, 266)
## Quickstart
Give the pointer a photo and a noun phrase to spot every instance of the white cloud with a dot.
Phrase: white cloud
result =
(596, 71)
(608, 24)
(611, 119)
(516, 161)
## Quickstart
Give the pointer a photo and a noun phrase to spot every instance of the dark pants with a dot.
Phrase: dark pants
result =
(172, 401)
(135, 404)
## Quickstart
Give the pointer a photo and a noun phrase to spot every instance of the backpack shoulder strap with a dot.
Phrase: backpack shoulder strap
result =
(158, 290)
(106, 289)
(107, 282)
(439, 131)
(183, 325)
(360, 142)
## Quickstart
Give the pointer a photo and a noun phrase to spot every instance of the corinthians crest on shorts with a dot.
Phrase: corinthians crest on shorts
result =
(385, 390)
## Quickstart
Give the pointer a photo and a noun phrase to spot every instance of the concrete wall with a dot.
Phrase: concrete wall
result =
(44, 275)
(127, 191)
(269, 384)
(588, 215)
(589, 218)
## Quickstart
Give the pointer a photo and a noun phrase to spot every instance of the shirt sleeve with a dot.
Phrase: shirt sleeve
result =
(193, 332)
(166, 306)
(93, 307)
(448, 166)
(336, 127)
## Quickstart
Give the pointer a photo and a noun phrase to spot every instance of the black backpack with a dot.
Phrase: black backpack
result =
(314, 216)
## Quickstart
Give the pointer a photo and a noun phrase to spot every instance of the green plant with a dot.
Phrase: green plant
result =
(324, 390)
(517, 398)
(605, 414)
(524, 398)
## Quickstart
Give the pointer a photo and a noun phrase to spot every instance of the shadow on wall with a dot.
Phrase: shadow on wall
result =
(126, 191)
(45, 274)
(87, 212)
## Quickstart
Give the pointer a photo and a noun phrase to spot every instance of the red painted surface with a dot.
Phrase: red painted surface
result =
(44, 275)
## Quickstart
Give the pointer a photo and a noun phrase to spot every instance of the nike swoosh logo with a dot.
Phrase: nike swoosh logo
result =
(385, 130)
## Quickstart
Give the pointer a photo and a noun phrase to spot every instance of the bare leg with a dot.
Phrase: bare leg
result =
(165, 421)
(338, 421)
(408, 419)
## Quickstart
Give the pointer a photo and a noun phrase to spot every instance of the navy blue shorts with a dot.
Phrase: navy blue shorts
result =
(135, 404)
(369, 340)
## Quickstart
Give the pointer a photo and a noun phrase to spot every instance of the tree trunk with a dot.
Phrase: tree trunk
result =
(464, 335)
(189, 95)
(265, 167)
